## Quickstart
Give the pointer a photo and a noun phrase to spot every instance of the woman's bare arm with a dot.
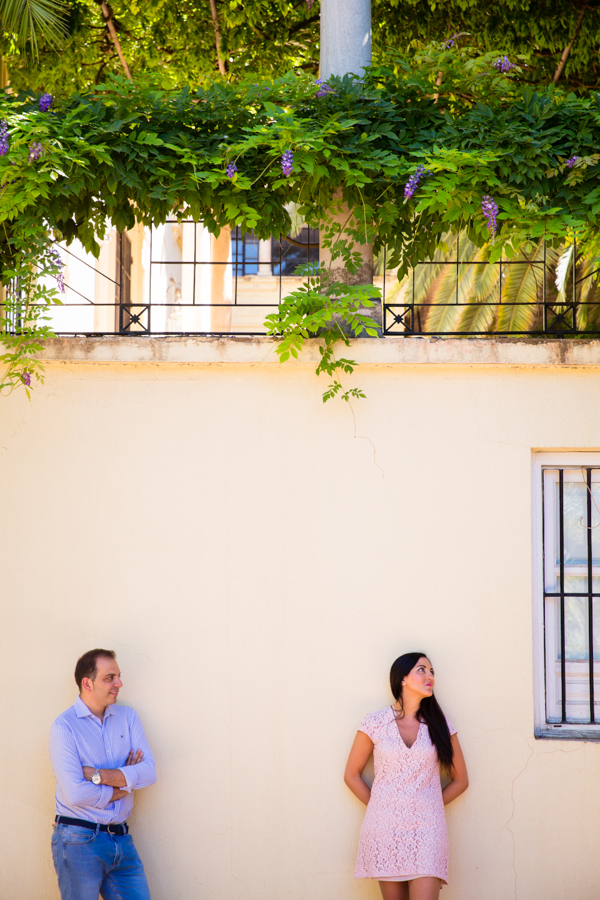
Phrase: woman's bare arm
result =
(460, 779)
(359, 757)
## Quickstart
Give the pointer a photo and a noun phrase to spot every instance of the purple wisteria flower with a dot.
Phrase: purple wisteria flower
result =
(35, 151)
(3, 137)
(26, 378)
(413, 182)
(324, 88)
(571, 161)
(287, 163)
(489, 208)
(231, 170)
(57, 261)
(45, 102)
(451, 42)
(503, 64)
(309, 3)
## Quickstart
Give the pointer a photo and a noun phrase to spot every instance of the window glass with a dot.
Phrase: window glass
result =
(244, 252)
(286, 257)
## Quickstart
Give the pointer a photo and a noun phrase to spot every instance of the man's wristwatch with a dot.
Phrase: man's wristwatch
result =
(96, 777)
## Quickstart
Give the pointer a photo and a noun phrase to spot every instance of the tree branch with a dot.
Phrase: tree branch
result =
(108, 18)
(215, 18)
(567, 50)
(305, 22)
(260, 33)
(100, 71)
(299, 243)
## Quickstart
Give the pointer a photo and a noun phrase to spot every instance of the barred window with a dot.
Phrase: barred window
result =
(244, 252)
(287, 257)
(569, 596)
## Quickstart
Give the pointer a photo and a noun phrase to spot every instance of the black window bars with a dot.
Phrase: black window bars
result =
(571, 573)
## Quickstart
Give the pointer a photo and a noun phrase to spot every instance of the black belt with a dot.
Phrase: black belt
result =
(112, 829)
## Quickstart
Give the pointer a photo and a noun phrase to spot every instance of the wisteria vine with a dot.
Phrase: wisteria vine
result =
(287, 163)
(413, 182)
(389, 146)
(489, 208)
(503, 64)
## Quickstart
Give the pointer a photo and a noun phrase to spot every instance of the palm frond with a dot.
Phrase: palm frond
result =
(454, 287)
(522, 292)
(417, 283)
(480, 314)
(458, 288)
(424, 276)
(34, 20)
(478, 297)
(562, 272)
(588, 309)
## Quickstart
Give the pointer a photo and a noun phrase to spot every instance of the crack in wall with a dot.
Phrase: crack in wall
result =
(243, 887)
(363, 437)
(512, 815)
(512, 797)
(9, 438)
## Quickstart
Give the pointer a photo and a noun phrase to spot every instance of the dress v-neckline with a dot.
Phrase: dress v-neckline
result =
(404, 744)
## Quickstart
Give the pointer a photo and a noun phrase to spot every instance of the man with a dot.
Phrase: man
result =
(100, 755)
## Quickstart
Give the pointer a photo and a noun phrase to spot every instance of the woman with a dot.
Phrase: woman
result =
(403, 840)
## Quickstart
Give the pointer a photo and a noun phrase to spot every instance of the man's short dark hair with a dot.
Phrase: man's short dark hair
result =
(87, 665)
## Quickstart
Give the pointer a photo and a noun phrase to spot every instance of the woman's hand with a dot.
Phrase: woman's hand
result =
(359, 757)
(460, 779)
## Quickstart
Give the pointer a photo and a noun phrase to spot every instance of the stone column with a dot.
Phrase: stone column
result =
(220, 282)
(346, 49)
(338, 272)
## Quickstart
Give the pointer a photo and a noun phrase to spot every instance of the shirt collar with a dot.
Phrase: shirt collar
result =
(82, 710)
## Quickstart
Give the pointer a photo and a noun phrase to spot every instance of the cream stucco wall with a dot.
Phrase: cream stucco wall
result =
(257, 571)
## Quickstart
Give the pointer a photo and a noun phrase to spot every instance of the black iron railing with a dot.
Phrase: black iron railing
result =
(180, 280)
(463, 294)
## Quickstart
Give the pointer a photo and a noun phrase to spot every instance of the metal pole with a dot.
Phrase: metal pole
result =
(345, 37)
(346, 49)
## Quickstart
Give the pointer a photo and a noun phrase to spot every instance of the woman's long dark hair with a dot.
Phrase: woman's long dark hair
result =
(429, 711)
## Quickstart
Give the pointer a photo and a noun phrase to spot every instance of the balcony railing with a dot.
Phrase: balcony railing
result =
(178, 279)
(539, 291)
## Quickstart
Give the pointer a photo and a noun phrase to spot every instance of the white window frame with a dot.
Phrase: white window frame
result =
(542, 729)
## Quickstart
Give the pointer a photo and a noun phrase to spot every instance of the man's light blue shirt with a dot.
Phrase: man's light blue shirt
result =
(78, 738)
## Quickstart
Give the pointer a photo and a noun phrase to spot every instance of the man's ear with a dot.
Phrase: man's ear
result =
(86, 684)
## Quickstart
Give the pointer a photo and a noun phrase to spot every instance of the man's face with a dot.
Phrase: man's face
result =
(104, 689)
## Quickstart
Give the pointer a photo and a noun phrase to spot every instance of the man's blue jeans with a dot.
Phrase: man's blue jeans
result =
(89, 863)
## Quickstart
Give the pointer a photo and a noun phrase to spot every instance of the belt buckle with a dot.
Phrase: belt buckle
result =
(110, 832)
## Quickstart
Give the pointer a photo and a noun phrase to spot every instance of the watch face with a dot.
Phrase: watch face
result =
(96, 778)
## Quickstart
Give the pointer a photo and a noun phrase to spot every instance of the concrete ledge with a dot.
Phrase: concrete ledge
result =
(385, 351)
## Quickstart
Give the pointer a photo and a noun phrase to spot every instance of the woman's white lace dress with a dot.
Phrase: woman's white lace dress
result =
(404, 829)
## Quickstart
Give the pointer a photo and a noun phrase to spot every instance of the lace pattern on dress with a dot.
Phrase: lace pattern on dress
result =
(404, 829)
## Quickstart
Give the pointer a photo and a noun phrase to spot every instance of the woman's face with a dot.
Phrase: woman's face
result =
(420, 680)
